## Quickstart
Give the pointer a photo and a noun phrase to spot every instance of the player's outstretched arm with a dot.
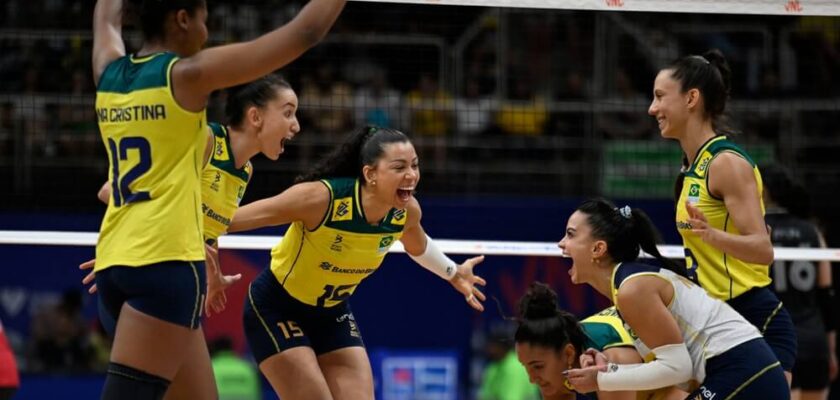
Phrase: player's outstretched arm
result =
(307, 202)
(107, 35)
(422, 249)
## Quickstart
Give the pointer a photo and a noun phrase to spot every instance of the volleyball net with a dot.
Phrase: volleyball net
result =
(449, 246)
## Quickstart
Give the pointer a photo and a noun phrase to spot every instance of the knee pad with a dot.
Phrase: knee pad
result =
(127, 383)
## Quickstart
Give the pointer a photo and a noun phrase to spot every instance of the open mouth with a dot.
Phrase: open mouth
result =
(405, 193)
(283, 142)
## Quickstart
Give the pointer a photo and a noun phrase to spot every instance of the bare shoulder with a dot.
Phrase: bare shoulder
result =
(415, 214)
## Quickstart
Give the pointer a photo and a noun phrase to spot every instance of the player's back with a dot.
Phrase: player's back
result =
(155, 150)
(709, 326)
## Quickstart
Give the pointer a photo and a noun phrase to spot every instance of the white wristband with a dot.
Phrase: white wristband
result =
(672, 366)
(434, 260)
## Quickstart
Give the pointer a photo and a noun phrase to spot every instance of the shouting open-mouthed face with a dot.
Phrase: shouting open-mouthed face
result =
(579, 245)
(395, 175)
(279, 123)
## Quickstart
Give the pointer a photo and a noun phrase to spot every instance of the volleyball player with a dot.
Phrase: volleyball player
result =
(150, 108)
(804, 286)
(719, 207)
(550, 341)
(690, 337)
(345, 214)
(261, 118)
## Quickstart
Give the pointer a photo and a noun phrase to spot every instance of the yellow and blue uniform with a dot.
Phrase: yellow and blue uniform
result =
(301, 300)
(744, 285)
(153, 220)
(729, 359)
(222, 185)
(605, 330)
(322, 267)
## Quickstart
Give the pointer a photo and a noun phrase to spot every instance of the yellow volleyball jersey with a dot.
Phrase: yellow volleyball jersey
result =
(722, 275)
(222, 185)
(605, 330)
(155, 149)
(322, 267)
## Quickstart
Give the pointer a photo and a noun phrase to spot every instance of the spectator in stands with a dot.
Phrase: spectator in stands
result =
(504, 378)
(236, 378)
(59, 341)
(377, 103)
(9, 379)
(430, 108)
(628, 123)
(525, 113)
(474, 112)
(327, 100)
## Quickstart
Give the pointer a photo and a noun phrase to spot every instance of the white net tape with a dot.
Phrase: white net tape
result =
(776, 7)
(486, 247)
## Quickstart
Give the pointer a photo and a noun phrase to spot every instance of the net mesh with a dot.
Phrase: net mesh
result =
(499, 100)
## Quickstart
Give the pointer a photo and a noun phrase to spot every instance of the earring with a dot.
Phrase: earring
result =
(566, 382)
(373, 183)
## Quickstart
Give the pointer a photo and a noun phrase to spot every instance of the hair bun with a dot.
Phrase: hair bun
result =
(718, 60)
(539, 302)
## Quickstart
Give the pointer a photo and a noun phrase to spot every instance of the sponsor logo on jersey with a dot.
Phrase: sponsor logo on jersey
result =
(704, 163)
(398, 218)
(220, 150)
(239, 194)
(706, 393)
(326, 266)
(342, 209)
(336, 244)
(215, 185)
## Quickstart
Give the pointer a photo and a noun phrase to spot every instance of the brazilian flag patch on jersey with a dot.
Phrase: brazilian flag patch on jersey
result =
(385, 244)
(694, 193)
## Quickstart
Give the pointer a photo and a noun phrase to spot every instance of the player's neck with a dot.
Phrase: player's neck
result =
(242, 149)
(375, 210)
(602, 280)
(695, 136)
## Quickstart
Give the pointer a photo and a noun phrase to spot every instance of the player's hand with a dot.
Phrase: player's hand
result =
(90, 276)
(216, 299)
(465, 282)
(592, 357)
(699, 224)
(584, 380)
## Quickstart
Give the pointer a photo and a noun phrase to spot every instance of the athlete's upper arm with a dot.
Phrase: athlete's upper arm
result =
(414, 237)
(104, 192)
(642, 302)
(731, 178)
(623, 355)
(107, 35)
(307, 202)
(216, 68)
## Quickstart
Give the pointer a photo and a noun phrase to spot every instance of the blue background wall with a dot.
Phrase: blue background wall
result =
(401, 307)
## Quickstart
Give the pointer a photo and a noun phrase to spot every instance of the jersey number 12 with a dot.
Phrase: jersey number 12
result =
(120, 183)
